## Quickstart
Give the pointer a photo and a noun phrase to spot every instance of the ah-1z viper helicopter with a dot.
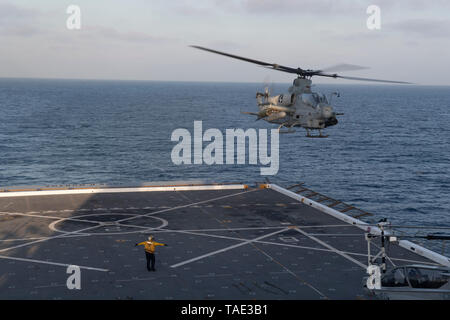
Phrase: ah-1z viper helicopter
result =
(300, 107)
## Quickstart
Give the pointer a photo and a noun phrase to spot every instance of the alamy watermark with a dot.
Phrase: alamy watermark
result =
(230, 150)
(73, 22)
(74, 280)
(374, 19)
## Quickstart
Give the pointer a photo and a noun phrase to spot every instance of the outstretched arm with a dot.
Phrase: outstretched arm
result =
(139, 244)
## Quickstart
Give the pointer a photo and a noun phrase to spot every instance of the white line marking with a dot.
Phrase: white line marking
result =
(188, 205)
(136, 279)
(47, 217)
(4, 207)
(211, 235)
(345, 252)
(38, 238)
(412, 247)
(293, 274)
(214, 275)
(326, 245)
(120, 190)
(50, 286)
(126, 219)
(227, 248)
(52, 263)
(225, 229)
(337, 235)
(49, 238)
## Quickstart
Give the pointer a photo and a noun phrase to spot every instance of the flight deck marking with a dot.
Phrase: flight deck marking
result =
(288, 239)
(47, 217)
(188, 205)
(337, 234)
(74, 234)
(266, 242)
(252, 243)
(227, 248)
(52, 263)
(37, 238)
(93, 227)
(341, 253)
(290, 272)
(113, 223)
(196, 232)
(61, 219)
(4, 207)
(279, 244)
(258, 241)
(50, 286)
(49, 238)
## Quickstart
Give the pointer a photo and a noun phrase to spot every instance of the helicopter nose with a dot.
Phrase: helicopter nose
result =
(327, 111)
(332, 121)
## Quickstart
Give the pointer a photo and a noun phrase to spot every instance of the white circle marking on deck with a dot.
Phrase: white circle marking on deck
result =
(164, 223)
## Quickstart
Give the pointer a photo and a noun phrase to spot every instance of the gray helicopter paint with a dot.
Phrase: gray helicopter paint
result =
(299, 108)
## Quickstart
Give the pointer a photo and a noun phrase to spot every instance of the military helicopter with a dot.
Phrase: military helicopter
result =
(300, 107)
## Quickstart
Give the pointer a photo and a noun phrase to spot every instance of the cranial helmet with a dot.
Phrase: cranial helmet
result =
(150, 238)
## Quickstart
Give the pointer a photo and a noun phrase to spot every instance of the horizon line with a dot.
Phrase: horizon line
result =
(213, 81)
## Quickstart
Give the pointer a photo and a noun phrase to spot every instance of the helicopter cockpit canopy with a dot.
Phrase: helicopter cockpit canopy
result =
(313, 99)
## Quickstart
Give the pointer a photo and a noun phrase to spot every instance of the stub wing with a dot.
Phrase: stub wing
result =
(258, 115)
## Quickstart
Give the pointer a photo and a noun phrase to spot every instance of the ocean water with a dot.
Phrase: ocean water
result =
(389, 154)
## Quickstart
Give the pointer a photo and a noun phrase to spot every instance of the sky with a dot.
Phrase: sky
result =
(149, 39)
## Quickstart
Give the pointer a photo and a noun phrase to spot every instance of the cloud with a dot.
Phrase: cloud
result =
(17, 21)
(20, 31)
(296, 7)
(288, 7)
(411, 4)
(324, 7)
(10, 13)
(426, 28)
(101, 32)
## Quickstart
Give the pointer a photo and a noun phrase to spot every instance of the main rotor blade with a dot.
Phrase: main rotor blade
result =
(288, 70)
(261, 63)
(343, 67)
(301, 72)
(360, 79)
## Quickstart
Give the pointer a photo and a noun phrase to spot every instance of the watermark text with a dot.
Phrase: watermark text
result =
(230, 149)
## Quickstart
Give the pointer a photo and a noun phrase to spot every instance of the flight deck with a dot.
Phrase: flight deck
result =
(225, 241)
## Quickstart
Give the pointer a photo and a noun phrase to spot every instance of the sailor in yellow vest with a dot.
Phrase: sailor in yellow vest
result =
(150, 251)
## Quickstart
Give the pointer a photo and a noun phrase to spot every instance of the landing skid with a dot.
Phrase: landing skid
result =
(320, 135)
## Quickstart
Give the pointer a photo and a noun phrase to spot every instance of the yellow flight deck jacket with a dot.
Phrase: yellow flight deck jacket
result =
(150, 245)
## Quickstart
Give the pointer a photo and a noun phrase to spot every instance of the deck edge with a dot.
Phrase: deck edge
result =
(408, 245)
(63, 191)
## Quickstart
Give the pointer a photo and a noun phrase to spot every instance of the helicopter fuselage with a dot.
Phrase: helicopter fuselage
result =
(300, 107)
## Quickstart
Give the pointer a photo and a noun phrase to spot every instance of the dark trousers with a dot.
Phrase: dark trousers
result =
(150, 258)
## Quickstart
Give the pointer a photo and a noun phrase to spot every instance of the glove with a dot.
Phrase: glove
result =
(136, 245)
(166, 245)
